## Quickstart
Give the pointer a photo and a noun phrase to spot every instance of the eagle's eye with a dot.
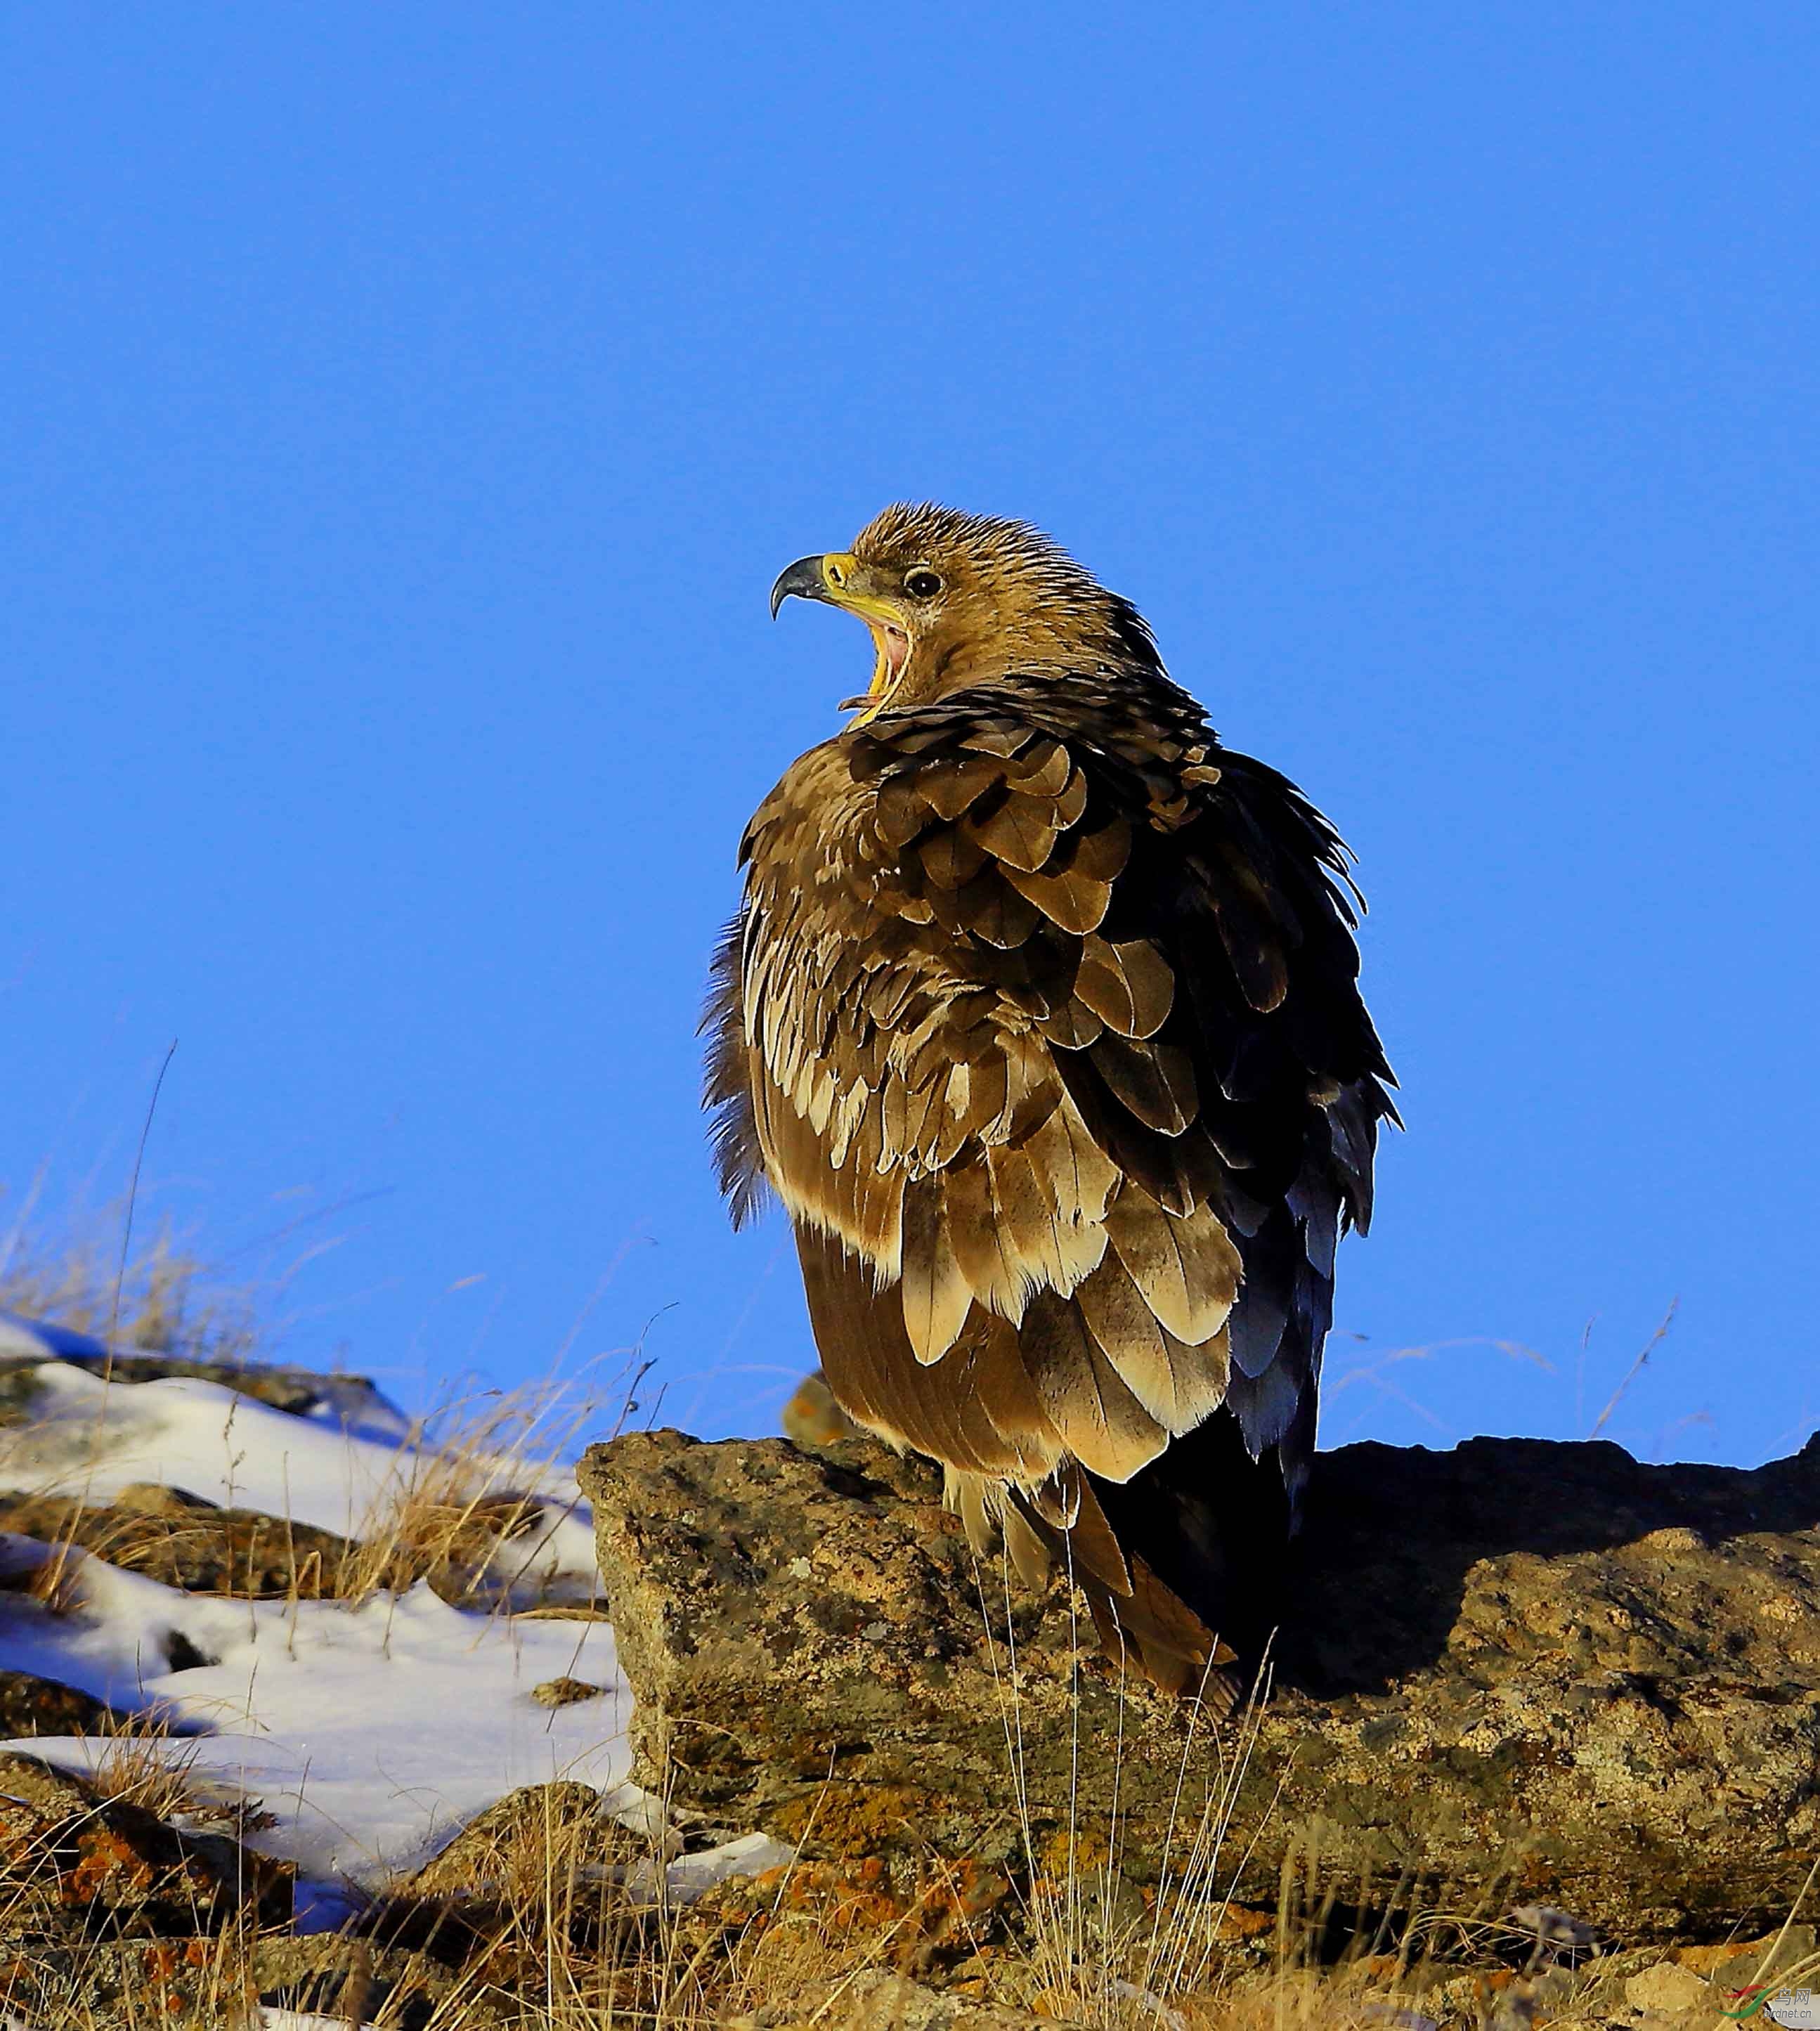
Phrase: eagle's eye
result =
(921, 583)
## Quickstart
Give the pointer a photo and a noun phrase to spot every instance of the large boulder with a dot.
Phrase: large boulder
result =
(1519, 1673)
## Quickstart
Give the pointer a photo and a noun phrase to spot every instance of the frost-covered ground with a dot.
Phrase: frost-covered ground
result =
(369, 1734)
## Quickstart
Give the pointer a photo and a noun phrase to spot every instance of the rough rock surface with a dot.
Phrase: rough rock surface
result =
(556, 1829)
(566, 1692)
(879, 2000)
(1519, 1670)
(216, 1982)
(111, 1918)
(29, 1780)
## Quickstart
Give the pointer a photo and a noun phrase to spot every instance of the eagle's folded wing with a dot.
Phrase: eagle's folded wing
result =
(1045, 1039)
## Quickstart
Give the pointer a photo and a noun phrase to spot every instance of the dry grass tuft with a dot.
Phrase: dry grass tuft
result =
(169, 1297)
(473, 1501)
(579, 1939)
(143, 1764)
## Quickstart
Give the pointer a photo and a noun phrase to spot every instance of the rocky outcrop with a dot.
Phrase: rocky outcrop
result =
(1519, 1672)
(552, 1829)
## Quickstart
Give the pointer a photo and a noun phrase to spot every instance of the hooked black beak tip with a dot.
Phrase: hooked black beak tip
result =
(801, 580)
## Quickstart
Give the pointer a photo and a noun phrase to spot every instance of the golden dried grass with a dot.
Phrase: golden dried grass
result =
(165, 1297)
(478, 1490)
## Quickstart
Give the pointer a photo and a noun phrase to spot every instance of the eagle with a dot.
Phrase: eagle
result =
(1041, 1015)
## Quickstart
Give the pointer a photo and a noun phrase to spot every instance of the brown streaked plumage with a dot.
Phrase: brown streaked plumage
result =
(1041, 1015)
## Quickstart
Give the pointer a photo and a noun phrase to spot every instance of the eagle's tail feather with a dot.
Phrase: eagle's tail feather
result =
(1183, 1565)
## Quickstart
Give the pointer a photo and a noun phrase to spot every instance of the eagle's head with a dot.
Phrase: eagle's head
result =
(954, 600)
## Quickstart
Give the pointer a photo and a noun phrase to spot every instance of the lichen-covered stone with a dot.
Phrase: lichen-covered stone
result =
(33, 1782)
(565, 1692)
(1522, 1669)
(216, 1982)
(74, 1863)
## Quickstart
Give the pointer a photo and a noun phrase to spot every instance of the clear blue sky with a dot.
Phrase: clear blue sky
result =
(406, 409)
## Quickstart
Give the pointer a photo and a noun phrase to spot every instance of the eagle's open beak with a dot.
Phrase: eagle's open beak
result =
(801, 580)
(830, 579)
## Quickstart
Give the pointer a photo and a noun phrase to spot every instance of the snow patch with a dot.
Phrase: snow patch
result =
(90, 1438)
(369, 1735)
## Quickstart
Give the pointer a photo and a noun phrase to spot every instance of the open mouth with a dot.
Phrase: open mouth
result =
(893, 646)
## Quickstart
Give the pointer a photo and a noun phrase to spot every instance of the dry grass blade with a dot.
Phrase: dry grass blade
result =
(551, 1898)
(1636, 1368)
